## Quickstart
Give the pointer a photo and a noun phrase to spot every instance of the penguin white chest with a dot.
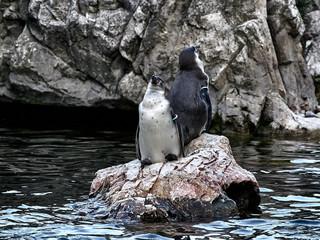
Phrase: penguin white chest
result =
(158, 134)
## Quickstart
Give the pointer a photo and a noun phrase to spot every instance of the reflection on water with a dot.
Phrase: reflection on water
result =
(45, 178)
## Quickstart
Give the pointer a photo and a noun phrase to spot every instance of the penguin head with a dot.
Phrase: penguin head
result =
(156, 83)
(189, 58)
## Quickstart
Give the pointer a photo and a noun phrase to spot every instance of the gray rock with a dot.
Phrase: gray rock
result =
(48, 79)
(132, 87)
(312, 51)
(208, 183)
(282, 117)
(310, 114)
(287, 27)
(102, 53)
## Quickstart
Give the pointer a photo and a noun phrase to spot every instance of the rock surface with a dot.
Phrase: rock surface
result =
(207, 183)
(101, 53)
(312, 41)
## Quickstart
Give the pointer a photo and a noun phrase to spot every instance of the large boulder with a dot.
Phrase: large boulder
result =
(102, 53)
(282, 117)
(208, 183)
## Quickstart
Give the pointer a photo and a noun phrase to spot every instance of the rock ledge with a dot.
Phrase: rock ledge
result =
(207, 183)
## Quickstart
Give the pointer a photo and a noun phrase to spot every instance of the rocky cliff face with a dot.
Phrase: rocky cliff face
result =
(102, 52)
(311, 41)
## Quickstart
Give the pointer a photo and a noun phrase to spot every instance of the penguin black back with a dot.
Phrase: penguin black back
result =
(189, 96)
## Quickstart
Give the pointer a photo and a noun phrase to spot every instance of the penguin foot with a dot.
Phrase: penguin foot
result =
(171, 157)
(145, 161)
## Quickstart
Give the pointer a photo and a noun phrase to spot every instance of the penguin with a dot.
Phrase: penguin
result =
(159, 138)
(189, 95)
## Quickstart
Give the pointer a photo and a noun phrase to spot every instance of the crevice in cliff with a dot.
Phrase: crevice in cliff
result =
(218, 79)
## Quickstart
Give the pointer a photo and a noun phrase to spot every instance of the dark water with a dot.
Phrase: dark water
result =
(45, 176)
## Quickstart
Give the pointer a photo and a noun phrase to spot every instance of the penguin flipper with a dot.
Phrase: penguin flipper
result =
(181, 138)
(204, 93)
(138, 152)
(180, 132)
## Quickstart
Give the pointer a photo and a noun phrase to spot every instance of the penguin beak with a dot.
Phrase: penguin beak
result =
(156, 80)
(196, 48)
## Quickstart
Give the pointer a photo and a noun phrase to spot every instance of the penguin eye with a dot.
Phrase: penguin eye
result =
(196, 48)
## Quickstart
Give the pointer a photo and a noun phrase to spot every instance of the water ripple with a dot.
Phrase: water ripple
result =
(46, 175)
(295, 198)
(304, 222)
(304, 161)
